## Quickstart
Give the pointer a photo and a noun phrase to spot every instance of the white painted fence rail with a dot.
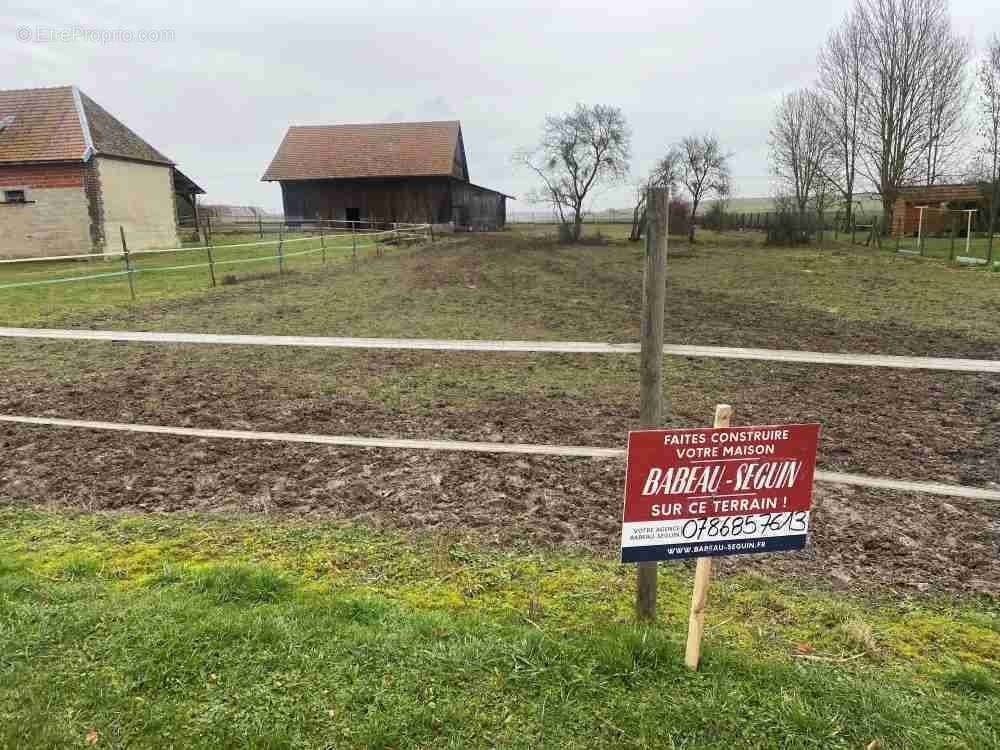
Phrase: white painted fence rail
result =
(556, 347)
(566, 451)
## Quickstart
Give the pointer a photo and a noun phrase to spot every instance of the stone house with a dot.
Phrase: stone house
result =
(71, 174)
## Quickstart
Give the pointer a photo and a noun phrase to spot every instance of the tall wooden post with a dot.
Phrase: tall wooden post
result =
(128, 263)
(654, 293)
(260, 226)
(702, 576)
(322, 242)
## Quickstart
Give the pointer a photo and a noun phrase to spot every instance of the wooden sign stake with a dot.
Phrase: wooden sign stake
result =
(702, 576)
(654, 293)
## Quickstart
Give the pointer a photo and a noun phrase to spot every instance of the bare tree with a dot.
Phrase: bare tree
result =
(989, 82)
(578, 151)
(946, 106)
(666, 173)
(704, 171)
(824, 197)
(800, 147)
(842, 62)
(904, 41)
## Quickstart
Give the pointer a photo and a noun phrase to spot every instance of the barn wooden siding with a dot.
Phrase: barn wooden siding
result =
(906, 209)
(477, 208)
(437, 200)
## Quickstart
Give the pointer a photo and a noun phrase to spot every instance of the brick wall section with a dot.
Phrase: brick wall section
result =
(42, 175)
(56, 221)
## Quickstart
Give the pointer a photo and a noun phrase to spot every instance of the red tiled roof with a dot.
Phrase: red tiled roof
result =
(111, 137)
(64, 124)
(398, 149)
(46, 126)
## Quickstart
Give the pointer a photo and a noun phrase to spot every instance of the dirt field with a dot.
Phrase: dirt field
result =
(893, 423)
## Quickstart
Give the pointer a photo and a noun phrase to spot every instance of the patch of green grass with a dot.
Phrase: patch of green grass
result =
(245, 632)
(159, 276)
(227, 584)
(971, 680)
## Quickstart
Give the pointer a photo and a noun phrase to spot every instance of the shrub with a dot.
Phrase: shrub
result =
(786, 229)
(679, 216)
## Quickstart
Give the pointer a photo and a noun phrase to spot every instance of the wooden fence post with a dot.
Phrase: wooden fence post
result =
(654, 293)
(322, 242)
(954, 231)
(128, 263)
(211, 261)
(968, 235)
(920, 232)
(702, 576)
(260, 226)
(854, 228)
(354, 244)
(281, 255)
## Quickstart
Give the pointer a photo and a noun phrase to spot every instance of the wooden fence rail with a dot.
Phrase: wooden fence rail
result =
(552, 347)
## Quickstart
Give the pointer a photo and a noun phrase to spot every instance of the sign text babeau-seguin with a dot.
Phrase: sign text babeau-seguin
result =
(717, 491)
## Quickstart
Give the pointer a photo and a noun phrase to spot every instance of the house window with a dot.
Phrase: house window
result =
(352, 214)
(14, 196)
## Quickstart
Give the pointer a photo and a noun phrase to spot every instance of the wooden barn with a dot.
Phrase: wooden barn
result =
(383, 172)
(939, 201)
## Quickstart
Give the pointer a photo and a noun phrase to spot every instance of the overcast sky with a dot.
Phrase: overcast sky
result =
(222, 82)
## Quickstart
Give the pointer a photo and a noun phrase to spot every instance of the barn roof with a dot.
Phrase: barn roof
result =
(939, 193)
(394, 149)
(184, 184)
(64, 124)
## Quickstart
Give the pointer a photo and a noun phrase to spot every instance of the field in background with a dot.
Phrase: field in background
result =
(156, 590)
(866, 205)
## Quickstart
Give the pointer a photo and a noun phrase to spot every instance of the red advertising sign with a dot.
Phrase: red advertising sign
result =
(718, 491)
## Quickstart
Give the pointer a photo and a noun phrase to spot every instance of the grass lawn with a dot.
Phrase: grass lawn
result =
(159, 276)
(942, 247)
(162, 592)
(193, 631)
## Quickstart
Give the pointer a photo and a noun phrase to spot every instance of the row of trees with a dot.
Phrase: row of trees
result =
(590, 147)
(889, 108)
